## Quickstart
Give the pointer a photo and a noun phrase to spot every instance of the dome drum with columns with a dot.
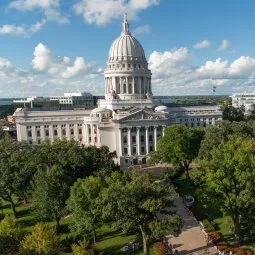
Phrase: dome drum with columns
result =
(127, 76)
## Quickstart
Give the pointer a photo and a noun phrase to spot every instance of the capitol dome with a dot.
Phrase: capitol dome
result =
(126, 46)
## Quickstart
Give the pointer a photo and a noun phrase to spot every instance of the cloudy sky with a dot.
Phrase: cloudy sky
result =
(48, 47)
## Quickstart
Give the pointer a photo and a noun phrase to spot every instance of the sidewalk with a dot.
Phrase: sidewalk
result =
(192, 239)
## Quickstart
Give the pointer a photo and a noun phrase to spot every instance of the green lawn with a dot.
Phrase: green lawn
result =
(109, 241)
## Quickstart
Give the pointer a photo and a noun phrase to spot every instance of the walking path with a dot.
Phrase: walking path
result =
(192, 239)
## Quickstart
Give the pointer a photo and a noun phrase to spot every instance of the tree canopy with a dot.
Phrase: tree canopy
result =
(50, 192)
(130, 202)
(231, 113)
(84, 203)
(227, 178)
(179, 146)
(221, 131)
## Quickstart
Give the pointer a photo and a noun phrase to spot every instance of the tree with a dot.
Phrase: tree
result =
(233, 114)
(43, 241)
(85, 205)
(82, 248)
(10, 235)
(16, 170)
(130, 201)
(179, 146)
(76, 161)
(251, 113)
(51, 190)
(227, 178)
(214, 135)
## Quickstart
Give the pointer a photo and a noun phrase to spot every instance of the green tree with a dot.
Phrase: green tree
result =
(251, 113)
(130, 202)
(85, 205)
(179, 146)
(214, 135)
(51, 190)
(10, 235)
(42, 241)
(227, 179)
(82, 248)
(15, 170)
(233, 114)
(76, 161)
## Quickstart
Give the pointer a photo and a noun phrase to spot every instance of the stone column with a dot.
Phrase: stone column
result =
(84, 136)
(140, 86)
(147, 139)
(133, 85)
(34, 137)
(127, 86)
(138, 141)
(60, 131)
(155, 138)
(121, 86)
(92, 134)
(129, 142)
(120, 142)
(42, 129)
(98, 137)
(76, 133)
(163, 130)
(68, 135)
(51, 132)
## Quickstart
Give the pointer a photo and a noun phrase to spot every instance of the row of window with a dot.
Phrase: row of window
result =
(39, 141)
(128, 65)
(198, 119)
(142, 129)
(54, 126)
(134, 150)
(142, 139)
(55, 132)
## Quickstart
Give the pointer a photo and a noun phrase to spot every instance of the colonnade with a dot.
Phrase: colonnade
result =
(126, 139)
(128, 85)
(92, 135)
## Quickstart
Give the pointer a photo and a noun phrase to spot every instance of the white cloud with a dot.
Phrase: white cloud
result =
(50, 75)
(142, 29)
(174, 72)
(50, 9)
(224, 45)
(46, 62)
(202, 44)
(168, 63)
(4, 63)
(12, 30)
(37, 26)
(101, 12)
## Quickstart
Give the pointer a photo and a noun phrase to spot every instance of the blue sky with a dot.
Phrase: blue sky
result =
(49, 47)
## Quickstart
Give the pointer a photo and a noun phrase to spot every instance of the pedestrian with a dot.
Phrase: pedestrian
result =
(176, 252)
(169, 245)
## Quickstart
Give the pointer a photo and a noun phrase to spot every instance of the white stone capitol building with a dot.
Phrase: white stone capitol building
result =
(127, 120)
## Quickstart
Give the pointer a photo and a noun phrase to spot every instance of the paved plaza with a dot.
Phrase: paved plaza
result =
(192, 239)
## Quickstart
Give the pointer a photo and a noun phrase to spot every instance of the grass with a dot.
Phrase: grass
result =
(109, 240)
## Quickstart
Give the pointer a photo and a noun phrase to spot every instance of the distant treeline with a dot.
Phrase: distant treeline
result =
(6, 110)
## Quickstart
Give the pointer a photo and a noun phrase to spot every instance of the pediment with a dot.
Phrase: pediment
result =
(142, 115)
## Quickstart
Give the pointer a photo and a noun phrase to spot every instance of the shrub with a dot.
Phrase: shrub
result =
(214, 236)
(10, 235)
(42, 240)
(240, 251)
(208, 226)
(222, 246)
(160, 248)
